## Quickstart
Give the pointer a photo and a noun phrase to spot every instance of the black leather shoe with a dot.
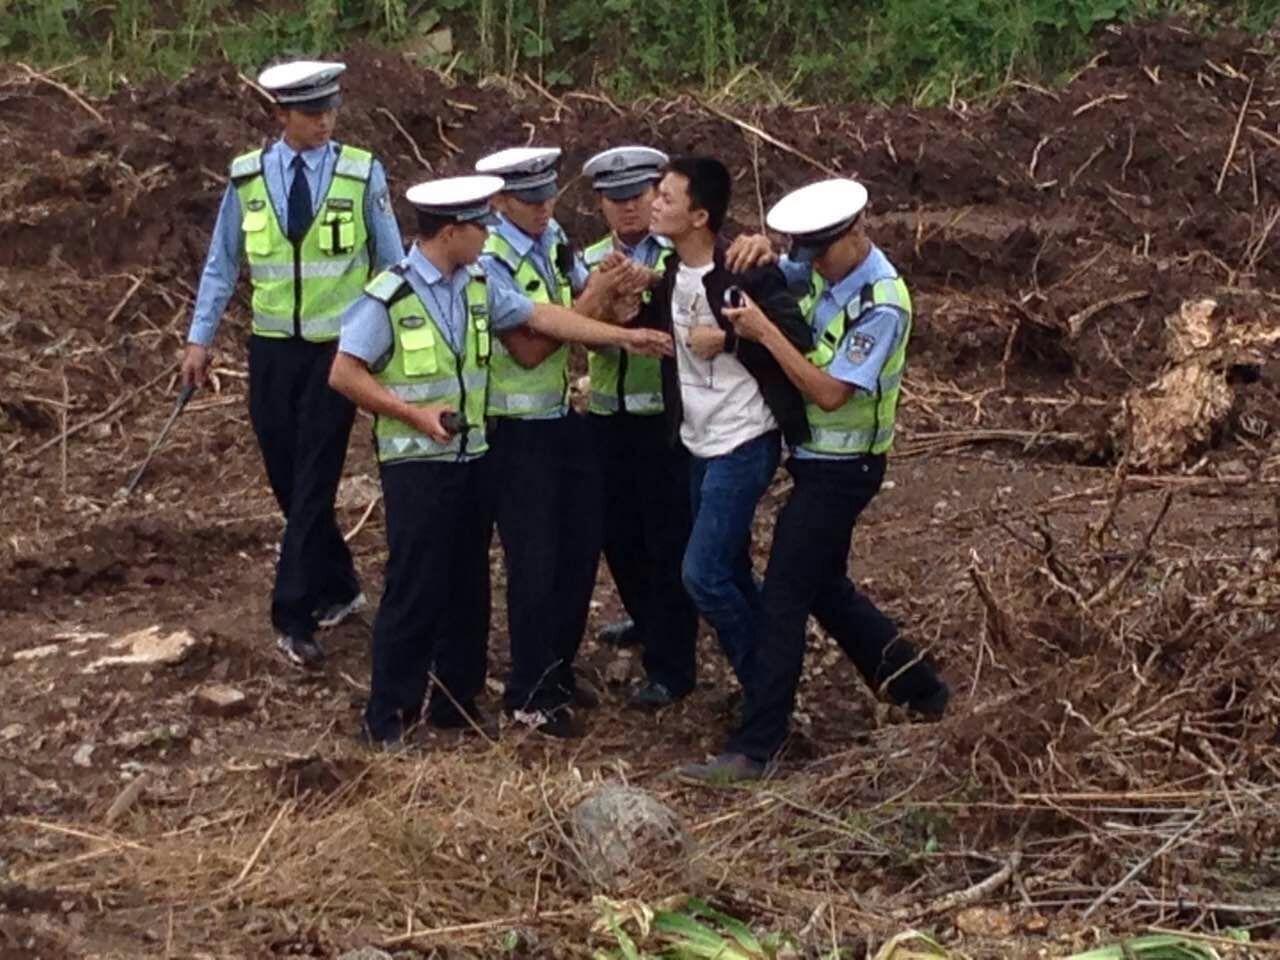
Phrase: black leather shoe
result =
(652, 696)
(470, 719)
(620, 633)
(724, 769)
(400, 744)
(300, 651)
(934, 706)
(560, 723)
(585, 695)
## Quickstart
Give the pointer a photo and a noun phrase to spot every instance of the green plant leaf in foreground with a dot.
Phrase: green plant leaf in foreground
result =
(1155, 946)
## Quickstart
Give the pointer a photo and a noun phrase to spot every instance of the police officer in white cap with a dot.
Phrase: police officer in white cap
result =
(547, 489)
(860, 312)
(646, 478)
(312, 218)
(417, 352)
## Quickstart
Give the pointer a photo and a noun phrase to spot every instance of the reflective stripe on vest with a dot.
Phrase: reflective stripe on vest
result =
(303, 290)
(863, 423)
(621, 380)
(514, 390)
(423, 368)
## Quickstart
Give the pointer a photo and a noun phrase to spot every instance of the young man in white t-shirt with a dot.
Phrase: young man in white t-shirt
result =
(726, 399)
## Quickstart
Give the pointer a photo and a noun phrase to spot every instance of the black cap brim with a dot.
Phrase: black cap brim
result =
(627, 191)
(535, 194)
(319, 105)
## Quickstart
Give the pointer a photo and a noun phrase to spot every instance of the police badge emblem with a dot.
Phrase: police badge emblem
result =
(860, 347)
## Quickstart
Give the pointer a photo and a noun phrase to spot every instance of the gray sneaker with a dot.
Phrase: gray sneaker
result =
(300, 651)
(620, 633)
(332, 615)
(725, 769)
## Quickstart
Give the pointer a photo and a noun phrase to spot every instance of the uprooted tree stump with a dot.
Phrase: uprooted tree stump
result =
(624, 835)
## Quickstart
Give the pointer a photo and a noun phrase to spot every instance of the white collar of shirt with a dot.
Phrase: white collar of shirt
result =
(311, 159)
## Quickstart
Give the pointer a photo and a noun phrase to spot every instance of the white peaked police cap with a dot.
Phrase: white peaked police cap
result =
(817, 214)
(624, 172)
(527, 172)
(304, 84)
(465, 199)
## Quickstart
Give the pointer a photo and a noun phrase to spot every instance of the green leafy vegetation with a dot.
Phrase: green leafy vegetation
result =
(923, 50)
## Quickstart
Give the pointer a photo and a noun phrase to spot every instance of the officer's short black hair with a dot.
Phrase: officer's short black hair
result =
(709, 186)
(430, 224)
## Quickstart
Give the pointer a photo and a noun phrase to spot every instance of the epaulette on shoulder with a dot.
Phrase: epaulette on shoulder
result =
(246, 165)
(388, 286)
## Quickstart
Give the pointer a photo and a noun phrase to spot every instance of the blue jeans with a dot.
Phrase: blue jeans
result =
(717, 562)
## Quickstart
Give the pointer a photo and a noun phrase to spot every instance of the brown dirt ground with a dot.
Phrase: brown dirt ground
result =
(1008, 219)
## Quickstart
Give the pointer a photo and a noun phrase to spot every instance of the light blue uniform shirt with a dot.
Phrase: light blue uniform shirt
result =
(857, 363)
(540, 251)
(226, 249)
(366, 328)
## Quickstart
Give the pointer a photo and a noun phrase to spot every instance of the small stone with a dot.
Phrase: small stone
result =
(1035, 923)
(69, 703)
(12, 732)
(83, 757)
(158, 736)
(984, 922)
(220, 700)
(940, 508)
(366, 953)
(1233, 470)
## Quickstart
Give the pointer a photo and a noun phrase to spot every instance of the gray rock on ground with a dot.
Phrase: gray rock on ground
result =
(624, 834)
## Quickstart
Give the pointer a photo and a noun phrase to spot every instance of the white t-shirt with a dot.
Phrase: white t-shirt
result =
(723, 406)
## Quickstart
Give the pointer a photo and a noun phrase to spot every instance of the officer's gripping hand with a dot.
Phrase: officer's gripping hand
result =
(195, 365)
(705, 341)
(425, 418)
(749, 320)
(624, 310)
(749, 250)
(636, 278)
(653, 343)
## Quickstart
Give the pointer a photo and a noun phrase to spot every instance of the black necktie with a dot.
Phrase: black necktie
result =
(299, 201)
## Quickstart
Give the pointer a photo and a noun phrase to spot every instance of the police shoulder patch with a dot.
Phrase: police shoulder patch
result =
(860, 347)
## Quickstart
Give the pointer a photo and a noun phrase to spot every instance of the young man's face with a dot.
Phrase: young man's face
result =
(306, 129)
(670, 214)
(530, 216)
(629, 218)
